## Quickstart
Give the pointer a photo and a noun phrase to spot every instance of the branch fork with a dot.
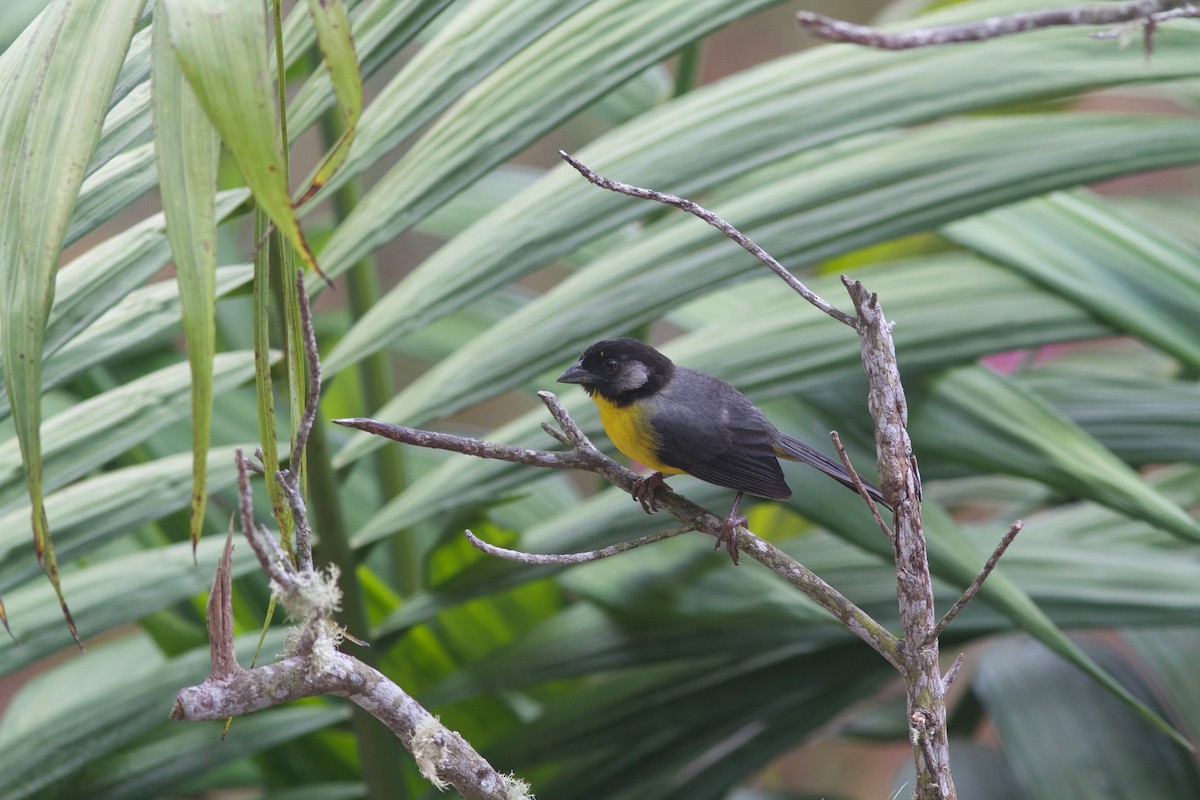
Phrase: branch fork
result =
(583, 455)
(313, 665)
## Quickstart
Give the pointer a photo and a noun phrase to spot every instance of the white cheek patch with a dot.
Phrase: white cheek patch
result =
(632, 376)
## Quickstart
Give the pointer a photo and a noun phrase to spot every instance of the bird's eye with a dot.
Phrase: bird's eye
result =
(611, 365)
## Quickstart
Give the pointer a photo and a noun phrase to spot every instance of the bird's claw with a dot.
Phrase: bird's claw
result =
(643, 491)
(728, 535)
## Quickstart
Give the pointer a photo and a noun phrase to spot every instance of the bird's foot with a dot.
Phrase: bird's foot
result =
(643, 491)
(728, 535)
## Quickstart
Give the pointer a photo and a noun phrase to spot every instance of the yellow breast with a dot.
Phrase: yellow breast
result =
(629, 428)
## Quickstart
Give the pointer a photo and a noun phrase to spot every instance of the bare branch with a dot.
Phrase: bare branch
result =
(461, 444)
(901, 482)
(257, 540)
(988, 566)
(584, 456)
(443, 756)
(572, 558)
(718, 223)
(570, 428)
(1150, 11)
(861, 487)
(1122, 31)
(314, 666)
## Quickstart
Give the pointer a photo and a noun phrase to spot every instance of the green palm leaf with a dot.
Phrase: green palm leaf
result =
(49, 126)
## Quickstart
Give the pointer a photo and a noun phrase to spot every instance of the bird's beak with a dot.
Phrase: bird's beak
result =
(576, 374)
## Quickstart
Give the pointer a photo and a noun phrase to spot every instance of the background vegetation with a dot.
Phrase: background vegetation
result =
(1047, 333)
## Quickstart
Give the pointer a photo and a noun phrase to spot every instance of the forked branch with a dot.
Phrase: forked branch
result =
(583, 455)
(314, 666)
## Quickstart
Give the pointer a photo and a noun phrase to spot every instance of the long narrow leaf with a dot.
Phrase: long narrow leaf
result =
(98, 429)
(1066, 740)
(972, 416)
(1147, 421)
(221, 47)
(112, 187)
(380, 31)
(337, 49)
(156, 764)
(95, 281)
(260, 324)
(149, 579)
(1140, 280)
(519, 100)
(89, 513)
(49, 125)
(187, 147)
(143, 316)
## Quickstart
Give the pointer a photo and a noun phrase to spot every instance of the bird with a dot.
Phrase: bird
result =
(676, 420)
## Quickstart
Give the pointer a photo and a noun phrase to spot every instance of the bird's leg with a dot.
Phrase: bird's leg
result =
(728, 535)
(643, 491)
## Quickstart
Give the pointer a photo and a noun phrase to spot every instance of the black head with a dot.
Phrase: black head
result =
(621, 370)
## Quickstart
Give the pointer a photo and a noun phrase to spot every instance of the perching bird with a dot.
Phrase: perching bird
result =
(677, 420)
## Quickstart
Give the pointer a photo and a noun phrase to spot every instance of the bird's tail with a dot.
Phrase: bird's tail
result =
(796, 450)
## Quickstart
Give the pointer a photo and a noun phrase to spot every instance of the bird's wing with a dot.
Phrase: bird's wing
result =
(734, 449)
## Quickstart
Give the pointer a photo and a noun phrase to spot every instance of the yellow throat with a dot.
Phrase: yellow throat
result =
(630, 430)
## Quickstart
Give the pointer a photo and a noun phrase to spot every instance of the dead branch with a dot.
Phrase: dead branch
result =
(313, 665)
(564, 559)
(718, 223)
(1146, 12)
(988, 566)
(583, 455)
(901, 482)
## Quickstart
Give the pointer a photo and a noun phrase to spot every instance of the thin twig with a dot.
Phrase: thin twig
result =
(289, 479)
(570, 428)
(952, 673)
(291, 489)
(267, 541)
(249, 528)
(718, 223)
(314, 374)
(836, 30)
(295, 500)
(861, 487)
(979, 579)
(572, 558)
(555, 433)
(462, 444)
